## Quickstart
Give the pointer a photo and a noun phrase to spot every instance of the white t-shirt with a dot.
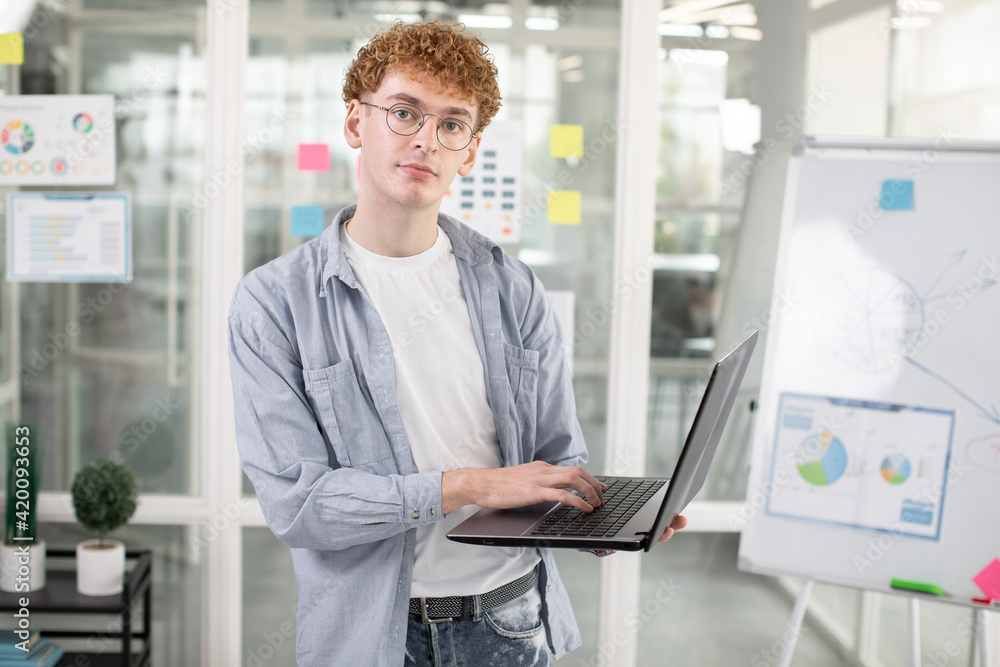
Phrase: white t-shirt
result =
(441, 392)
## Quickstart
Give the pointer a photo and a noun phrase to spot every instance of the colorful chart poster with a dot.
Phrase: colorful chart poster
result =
(57, 140)
(63, 237)
(489, 198)
(861, 464)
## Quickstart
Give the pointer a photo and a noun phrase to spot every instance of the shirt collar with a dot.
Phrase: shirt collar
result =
(467, 244)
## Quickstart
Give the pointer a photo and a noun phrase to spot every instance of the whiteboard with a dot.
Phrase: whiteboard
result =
(876, 449)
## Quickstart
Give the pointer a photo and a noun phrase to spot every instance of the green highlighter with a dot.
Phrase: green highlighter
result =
(917, 587)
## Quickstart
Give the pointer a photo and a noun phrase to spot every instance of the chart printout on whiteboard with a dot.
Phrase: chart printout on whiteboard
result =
(861, 464)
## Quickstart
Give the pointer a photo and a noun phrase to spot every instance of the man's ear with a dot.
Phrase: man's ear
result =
(470, 159)
(352, 124)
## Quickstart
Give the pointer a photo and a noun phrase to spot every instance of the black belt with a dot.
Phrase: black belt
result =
(460, 607)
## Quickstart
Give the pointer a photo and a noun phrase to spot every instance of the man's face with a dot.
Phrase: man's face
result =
(412, 171)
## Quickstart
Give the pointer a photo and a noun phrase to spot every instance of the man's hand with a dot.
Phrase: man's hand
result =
(679, 522)
(517, 486)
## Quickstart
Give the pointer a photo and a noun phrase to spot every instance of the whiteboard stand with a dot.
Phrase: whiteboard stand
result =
(983, 638)
(914, 631)
(869, 627)
(795, 622)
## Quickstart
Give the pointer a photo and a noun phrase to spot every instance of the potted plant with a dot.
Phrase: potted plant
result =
(22, 556)
(104, 498)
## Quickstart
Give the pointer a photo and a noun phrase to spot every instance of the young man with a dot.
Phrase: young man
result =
(400, 371)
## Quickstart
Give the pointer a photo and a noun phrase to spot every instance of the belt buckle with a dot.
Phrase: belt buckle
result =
(426, 619)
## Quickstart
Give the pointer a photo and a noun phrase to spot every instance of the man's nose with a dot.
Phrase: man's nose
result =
(426, 136)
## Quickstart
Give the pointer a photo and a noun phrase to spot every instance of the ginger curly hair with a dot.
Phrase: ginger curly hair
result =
(442, 50)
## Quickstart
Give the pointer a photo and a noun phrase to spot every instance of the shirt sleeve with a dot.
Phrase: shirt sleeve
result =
(559, 439)
(308, 499)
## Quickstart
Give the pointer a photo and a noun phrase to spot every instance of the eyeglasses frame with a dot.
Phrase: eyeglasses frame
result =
(423, 119)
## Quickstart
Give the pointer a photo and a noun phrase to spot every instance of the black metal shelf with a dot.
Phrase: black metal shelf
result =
(61, 597)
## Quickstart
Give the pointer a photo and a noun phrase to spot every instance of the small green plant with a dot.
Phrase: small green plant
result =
(104, 497)
(22, 484)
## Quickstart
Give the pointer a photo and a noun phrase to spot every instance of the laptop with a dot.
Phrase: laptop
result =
(636, 510)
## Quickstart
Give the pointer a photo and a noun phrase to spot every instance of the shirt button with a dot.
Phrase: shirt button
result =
(549, 588)
(433, 511)
(416, 514)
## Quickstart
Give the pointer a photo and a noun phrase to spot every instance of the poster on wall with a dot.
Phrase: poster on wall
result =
(69, 237)
(57, 140)
(488, 199)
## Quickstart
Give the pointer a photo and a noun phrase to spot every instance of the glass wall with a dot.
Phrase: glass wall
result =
(105, 368)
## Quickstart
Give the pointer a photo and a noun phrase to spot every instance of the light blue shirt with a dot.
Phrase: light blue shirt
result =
(321, 438)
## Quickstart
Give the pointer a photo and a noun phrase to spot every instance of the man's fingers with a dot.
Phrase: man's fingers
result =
(576, 501)
(679, 522)
(579, 479)
(666, 535)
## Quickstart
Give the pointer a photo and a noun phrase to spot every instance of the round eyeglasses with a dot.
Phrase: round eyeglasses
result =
(406, 119)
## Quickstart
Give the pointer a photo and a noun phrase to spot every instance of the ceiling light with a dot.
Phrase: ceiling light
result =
(541, 23)
(678, 13)
(569, 62)
(486, 21)
(751, 34)
(673, 30)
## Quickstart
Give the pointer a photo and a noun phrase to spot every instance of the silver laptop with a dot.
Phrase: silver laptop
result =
(636, 510)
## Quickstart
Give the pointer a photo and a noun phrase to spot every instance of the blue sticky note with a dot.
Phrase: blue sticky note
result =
(307, 220)
(896, 195)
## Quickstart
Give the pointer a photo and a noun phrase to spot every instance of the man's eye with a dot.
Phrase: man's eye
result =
(404, 114)
(452, 126)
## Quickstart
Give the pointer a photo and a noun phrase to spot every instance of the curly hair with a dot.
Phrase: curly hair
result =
(441, 50)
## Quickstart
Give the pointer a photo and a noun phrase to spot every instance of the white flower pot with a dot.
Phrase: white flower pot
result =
(22, 567)
(100, 570)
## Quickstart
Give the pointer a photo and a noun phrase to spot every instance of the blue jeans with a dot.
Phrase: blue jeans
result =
(511, 634)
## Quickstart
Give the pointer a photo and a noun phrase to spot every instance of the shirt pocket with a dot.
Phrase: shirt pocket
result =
(346, 416)
(522, 373)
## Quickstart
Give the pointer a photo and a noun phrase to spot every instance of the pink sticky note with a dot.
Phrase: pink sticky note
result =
(988, 580)
(314, 157)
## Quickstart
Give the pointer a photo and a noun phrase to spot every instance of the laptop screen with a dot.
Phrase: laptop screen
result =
(703, 438)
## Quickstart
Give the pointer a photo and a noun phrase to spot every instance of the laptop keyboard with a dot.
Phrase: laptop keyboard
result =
(624, 497)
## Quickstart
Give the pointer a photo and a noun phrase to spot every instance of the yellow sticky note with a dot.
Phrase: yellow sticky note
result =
(12, 48)
(564, 207)
(566, 141)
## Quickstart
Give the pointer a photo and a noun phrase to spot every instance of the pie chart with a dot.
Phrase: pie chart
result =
(17, 137)
(824, 459)
(896, 468)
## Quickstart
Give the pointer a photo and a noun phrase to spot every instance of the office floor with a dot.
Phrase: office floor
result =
(695, 609)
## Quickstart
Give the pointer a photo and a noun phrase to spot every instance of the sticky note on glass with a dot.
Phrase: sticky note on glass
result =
(564, 207)
(988, 580)
(896, 195)
(566, 141)
(12, 48)
(314, 157)
(307, 220)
